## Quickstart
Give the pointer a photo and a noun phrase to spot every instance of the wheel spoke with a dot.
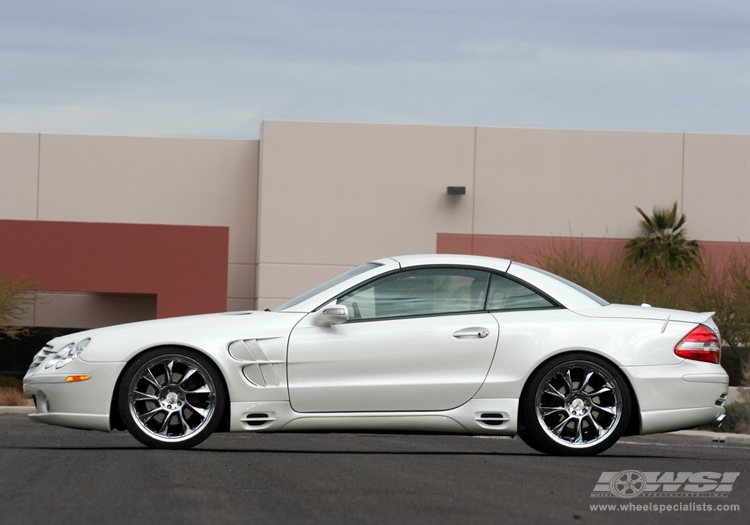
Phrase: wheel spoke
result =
(550, 410)
(149, 376)
(579, 430)
(596, 425)
(186, 429)
(205, 389)
(186, 376)
(145, 418)
(142, 396)
(168, 368)
(551, 390)
(586, 380)
(559, 428)
(568, 381)
(200, 411)
(607, 388)
(612, 411)
(165, 425)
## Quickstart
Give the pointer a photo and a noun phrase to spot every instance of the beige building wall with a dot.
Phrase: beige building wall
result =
(717, 187)
(19, 171)
(333, 195)
(564, 182)
(138, 180)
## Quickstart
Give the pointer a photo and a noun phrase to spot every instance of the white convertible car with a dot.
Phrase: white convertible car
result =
(419, 343)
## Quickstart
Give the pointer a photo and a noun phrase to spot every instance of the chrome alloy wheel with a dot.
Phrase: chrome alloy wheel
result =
(578, 404)
(171, 397)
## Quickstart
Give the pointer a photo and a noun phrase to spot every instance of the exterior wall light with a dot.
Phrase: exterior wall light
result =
(456, 190)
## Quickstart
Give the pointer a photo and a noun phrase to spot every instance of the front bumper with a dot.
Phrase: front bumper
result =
(84, 404)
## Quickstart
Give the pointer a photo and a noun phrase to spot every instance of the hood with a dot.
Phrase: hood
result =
(209, 332)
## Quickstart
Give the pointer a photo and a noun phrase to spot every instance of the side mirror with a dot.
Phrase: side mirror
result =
(331, 315)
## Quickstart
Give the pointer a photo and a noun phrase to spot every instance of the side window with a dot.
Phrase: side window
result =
(423, 291)
(507, 294)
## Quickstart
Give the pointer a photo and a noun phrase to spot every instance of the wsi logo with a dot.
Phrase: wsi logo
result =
(633, 483)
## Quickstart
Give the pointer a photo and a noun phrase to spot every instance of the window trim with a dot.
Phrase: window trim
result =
(555, 304)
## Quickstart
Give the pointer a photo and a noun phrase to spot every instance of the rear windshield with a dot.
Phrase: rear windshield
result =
(584, 291)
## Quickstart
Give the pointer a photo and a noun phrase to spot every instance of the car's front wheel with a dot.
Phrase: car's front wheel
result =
(577, 405)
(171, 398)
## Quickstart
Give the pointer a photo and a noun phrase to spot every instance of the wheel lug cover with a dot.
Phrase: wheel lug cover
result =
(577, 406)
(171, 398)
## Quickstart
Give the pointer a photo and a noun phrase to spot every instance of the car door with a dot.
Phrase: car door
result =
(416, 339)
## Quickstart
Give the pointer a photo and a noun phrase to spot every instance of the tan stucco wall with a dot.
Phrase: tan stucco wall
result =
(334, 195)
(564, 182)
(337, 194)
(19, 170)
(717, 187)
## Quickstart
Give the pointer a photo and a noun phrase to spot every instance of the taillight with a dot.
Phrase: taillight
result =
(702, 344)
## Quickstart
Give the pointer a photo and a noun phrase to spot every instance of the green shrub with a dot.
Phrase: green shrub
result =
(615, 279)
(663, 247)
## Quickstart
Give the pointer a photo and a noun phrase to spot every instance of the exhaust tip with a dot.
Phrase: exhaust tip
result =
(716, 423)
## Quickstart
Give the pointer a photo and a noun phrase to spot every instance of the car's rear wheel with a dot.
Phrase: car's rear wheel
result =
(171, 398)
(576, 404)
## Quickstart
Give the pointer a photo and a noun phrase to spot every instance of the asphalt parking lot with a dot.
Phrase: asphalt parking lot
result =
(56, 475)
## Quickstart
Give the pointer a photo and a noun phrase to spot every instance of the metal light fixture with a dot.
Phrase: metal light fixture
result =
(456, 190)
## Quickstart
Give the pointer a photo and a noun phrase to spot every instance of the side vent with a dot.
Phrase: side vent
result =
(258, 420)
(492, 419)
(259, 369)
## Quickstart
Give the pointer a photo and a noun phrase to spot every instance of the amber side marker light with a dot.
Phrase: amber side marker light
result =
(75, 379)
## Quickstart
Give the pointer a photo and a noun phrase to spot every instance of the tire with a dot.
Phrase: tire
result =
(171, 398)
(576, 405)
(527, 438)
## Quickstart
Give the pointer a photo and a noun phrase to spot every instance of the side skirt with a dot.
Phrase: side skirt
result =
(477, 416)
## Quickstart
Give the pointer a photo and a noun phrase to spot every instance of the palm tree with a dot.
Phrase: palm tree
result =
(663, 247)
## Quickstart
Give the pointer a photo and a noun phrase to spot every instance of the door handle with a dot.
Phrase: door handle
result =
(475, 331)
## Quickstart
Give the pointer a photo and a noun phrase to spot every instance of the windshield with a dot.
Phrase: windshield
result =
(328, 284)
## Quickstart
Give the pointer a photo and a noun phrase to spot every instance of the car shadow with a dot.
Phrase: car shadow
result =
(215, 450)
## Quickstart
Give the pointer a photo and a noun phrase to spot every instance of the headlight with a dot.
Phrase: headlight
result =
(67, 354)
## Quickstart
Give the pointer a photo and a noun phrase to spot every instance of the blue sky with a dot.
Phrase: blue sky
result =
(217, 68)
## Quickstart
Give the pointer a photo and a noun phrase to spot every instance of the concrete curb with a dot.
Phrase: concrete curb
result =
(18, 410)
(721, 437)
